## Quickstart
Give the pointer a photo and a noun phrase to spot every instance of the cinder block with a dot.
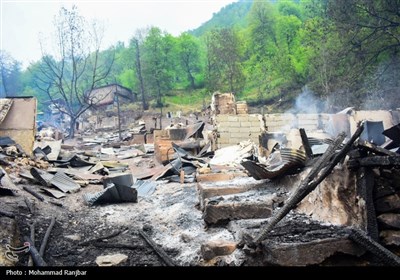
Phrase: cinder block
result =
(255, 129)
(236, 135)
(234, 124)
(243, 118)
(222, 118)
(245, 124)
(233, 118)
(245, 130)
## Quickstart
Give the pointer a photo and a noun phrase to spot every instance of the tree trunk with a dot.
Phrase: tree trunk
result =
(191, 79)
(140, 76)
(72, 128)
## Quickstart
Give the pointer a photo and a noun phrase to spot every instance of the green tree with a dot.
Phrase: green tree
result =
(189, 54)
(262, 48)
(158, 63)
(224, 61)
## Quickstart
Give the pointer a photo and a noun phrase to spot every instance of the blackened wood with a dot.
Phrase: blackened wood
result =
(160, 252)
(302, 190)
(306, 144)
(32, 229)
(7, 214)
(375, 149)
(116, 233)
(46, 236)
(29, 205)
(37, 259)
(374, 247)
(374, 161)
(365, 186)
(308, 184)
(32, 192)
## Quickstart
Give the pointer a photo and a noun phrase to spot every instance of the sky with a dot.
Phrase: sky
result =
(22, 21)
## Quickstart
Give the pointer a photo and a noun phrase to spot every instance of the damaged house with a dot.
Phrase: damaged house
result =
(107, 100)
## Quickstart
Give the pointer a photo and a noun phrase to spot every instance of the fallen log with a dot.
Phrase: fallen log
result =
(309, 184)
(37, 259)
(160, 252)
(46, 237)
(32, 192)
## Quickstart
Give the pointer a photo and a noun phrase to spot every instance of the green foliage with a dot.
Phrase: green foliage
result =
(264, 51)
(232, 15)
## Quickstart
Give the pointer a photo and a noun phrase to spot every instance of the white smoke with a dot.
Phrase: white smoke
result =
(307, 103)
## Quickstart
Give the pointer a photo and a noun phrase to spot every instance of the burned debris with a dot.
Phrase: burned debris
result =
(231, 188)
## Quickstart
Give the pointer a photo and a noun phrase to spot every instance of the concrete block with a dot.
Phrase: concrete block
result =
(240, 206)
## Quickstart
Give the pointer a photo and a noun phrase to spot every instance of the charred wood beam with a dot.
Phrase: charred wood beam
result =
(114, 234)
(306, 144)
(29, 205)
(37, 259)
(374, 161)
(309, 184)
(32, 229)
(117, 245)
(375, 149)
(7, 214)
(32, 192)
(160, 252)
(46, 237)
(365, 186)
(301, 191)
(362, 239)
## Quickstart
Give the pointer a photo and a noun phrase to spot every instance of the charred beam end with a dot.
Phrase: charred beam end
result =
(375, 161)
(32, 192)
(375, 149)
(308, 184)
(362, 239)
(37, 259)
(365, 185)
(306, 144)
(160, 252)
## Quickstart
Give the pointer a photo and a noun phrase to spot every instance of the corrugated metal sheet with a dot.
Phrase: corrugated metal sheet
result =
(64, 183)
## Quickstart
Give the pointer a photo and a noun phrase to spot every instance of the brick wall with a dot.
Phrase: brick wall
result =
(233, 129)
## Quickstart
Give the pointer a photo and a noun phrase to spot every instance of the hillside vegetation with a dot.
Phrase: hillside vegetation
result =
(342, 53)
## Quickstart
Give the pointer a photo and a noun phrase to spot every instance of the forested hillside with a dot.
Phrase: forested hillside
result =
(346, 53)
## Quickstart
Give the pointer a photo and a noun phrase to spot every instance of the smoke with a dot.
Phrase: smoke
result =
(307, 103)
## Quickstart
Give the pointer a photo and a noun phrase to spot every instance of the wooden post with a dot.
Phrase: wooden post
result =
(119, 117)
